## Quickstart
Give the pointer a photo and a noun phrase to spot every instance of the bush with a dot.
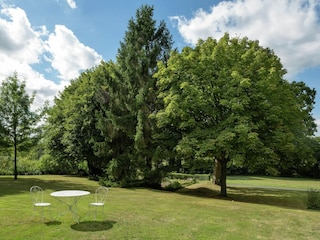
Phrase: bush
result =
(26, 166)
(313, 200)
(181, 176)
(6, 165)
(172, 186)
(108, 183)
(153, 179)
(185, 176)
(48, 164)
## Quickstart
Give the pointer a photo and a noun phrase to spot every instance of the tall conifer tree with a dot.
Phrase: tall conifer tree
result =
(143, 46)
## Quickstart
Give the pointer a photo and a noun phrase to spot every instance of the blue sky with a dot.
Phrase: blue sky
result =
(49, 42)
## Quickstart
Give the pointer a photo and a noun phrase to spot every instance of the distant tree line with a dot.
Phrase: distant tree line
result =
(222, 105)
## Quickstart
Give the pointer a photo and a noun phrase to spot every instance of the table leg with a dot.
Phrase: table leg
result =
(72, 207)
(74, 210)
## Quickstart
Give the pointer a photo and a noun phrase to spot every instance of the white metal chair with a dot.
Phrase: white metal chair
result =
(36, 193)
(100, 198)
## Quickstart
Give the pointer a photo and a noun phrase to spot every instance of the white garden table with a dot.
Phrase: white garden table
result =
(70, 198)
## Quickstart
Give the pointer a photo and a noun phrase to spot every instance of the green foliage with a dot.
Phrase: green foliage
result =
(314, 171)
(313, 199)
(228, 100)
(144, 44)
(72, 134)
(49, 165)
(29, 167)
(17, 121)
(153, 111)
(103, 116)
(120, 168)
(173, 186)
(5, 165)
(185, 176)
(107, 182)
(176, 181)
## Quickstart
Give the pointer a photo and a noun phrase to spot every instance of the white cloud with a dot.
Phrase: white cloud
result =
(72, 4)
(68, 55)
(290, 27)
(24, 46)
(21, 46)
(45, 89)
(18, 39)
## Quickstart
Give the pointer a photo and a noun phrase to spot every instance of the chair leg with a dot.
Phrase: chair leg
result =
(41, 210)
(95, 211)
(89, 211)
(42, 213)
(34, 210)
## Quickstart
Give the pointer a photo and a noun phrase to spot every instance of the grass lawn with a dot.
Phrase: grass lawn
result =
(277, 182)
(195, 212)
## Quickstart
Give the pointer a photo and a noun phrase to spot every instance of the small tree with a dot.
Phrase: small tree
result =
(16, 118)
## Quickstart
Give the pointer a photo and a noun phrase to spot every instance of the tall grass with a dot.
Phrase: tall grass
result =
(195, 212)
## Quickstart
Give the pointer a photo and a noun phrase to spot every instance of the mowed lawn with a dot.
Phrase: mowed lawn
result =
(196, 212)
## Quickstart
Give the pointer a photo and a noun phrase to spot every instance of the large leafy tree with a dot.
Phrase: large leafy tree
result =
(72, 136)
(229, 101)
(143, 46)
(17, 121)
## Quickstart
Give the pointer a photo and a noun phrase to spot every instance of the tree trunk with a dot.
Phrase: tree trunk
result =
(217, 172)
(223, 179)
(15, 161)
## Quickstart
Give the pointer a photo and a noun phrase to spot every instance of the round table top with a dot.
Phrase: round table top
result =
(70, 193)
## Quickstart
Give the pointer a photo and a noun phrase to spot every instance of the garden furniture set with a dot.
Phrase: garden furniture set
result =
(69, 198)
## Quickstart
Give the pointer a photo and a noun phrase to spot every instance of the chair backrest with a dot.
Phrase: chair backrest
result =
(36, 194)
(101, 194)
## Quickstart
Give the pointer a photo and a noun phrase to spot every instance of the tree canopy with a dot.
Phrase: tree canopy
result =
(103, 116)
(229, 100)
(17, 121)
(155, 110)
(144, 45)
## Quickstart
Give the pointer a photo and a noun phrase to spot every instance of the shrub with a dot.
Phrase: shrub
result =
(107, 182)
(181, 176)
(172, 186)
(48, 164)
(313, 200)
(186, 176)
(6, 165)
(27, 166)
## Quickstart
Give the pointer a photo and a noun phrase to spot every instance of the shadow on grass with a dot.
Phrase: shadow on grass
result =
(93, 226)
(53, 223)
(273, 197)
(200, 192)
(263, 178)
(9, 186)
